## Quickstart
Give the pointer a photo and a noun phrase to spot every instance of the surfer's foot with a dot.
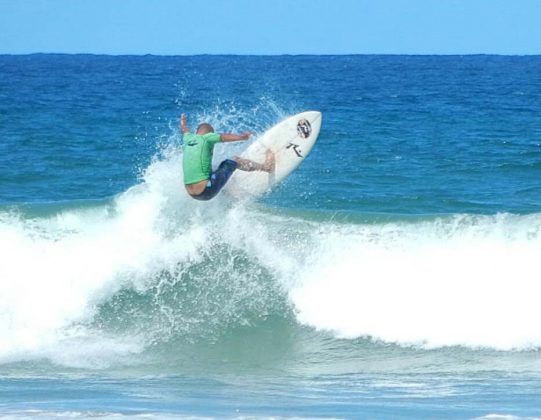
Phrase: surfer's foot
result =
(269, 164)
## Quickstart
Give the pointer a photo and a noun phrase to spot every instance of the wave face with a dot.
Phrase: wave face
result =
(97, 285)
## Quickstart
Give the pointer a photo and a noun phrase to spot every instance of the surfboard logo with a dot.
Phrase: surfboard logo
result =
(304, 128)
(295, 148)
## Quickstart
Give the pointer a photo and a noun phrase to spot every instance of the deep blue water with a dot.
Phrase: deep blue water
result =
(401, 134)
(393, 275)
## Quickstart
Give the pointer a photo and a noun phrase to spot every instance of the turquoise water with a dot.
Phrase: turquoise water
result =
(393, 275)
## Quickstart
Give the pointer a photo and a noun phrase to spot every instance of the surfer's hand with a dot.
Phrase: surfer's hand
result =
(246, 135)
(183, 126)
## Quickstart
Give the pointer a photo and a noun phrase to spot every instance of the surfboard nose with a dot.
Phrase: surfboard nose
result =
(315, 118)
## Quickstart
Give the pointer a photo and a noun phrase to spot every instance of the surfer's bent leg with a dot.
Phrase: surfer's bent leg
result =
(250, 165)
(217, 180)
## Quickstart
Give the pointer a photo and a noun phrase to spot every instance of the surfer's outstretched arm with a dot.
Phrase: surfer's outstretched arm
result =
(183, 124)
(235, 137)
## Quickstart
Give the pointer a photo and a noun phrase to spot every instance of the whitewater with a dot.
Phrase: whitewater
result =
(424, 281)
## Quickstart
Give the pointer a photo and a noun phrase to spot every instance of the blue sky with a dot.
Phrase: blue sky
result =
(185, 27)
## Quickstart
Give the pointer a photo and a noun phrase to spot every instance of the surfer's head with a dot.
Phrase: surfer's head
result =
(204, 128)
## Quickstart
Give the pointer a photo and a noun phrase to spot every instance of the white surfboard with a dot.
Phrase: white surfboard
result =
(290, 140)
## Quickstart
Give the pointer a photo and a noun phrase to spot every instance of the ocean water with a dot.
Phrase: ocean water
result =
(394, 275)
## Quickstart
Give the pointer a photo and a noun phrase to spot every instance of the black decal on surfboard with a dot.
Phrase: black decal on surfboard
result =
(304, 128)
(295, 148)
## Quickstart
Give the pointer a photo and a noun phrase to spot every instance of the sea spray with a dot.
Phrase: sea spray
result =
(149, 265)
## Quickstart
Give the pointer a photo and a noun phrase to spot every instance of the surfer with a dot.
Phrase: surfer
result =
(200, 181)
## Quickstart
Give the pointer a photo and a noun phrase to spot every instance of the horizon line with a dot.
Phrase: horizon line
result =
(274, 55)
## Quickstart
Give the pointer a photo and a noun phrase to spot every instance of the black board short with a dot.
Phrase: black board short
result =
(217, 180)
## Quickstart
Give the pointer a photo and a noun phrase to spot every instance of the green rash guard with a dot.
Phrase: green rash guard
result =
(197, 156)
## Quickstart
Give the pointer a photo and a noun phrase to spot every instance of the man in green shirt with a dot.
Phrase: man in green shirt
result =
(200, 181)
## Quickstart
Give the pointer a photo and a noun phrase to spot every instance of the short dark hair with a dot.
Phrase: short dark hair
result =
(205, 128)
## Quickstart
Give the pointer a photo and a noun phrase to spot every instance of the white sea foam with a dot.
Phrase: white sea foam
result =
(55, 270)
(471, 281)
